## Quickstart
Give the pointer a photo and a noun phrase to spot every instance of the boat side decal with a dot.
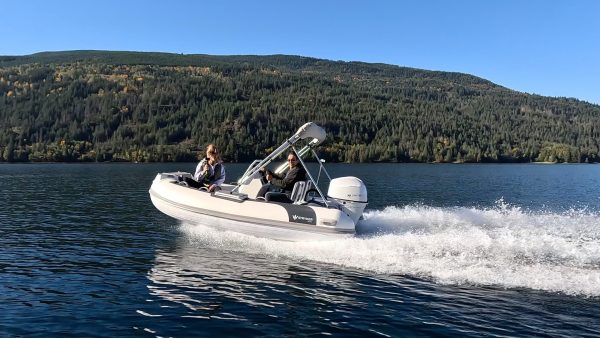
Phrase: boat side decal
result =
(300, 214)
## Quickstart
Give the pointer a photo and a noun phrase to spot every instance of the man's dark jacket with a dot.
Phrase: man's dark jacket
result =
(292, 176)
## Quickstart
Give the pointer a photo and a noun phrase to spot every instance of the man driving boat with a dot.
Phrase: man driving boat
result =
(295, 173)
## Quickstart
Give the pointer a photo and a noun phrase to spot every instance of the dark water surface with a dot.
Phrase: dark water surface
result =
(444, 250)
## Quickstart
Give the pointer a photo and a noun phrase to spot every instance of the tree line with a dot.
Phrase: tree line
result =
(147, 107)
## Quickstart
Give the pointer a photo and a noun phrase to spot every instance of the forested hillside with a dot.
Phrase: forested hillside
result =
(123, 106)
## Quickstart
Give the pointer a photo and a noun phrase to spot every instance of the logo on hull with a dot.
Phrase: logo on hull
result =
(302, 219)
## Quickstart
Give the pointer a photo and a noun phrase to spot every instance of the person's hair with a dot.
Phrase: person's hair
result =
(293, 153)
(215, 152)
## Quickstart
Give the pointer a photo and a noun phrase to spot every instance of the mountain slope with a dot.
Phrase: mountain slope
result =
(98, 105)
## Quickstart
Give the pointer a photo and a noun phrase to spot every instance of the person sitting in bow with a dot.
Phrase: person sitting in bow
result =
(210, 172)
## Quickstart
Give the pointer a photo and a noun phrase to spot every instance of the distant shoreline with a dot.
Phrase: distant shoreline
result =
(434, 163)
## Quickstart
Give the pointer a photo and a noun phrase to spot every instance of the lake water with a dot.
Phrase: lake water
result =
(444, 250)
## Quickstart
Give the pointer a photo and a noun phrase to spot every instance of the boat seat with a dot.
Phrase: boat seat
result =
(273, 196)
(299, 192)
(297, 196)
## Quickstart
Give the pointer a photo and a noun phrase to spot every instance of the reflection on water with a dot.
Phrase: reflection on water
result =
(204, 283)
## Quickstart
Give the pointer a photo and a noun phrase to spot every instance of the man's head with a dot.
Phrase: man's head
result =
(292, 159)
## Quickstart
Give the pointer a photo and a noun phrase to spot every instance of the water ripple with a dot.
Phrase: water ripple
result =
(83, 253)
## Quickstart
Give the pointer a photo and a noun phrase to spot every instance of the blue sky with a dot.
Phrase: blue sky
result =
(549, 47)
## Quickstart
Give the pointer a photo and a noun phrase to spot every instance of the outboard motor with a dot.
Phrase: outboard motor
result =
(351, 193)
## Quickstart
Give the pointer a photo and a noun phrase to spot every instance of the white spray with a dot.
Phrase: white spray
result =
(501, 246)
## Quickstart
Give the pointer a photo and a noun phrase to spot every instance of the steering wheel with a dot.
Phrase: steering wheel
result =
(263, 176)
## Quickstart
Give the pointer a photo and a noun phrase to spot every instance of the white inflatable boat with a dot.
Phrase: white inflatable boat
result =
(242, 207)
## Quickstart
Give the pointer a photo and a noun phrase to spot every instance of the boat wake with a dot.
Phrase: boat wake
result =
(502, 246)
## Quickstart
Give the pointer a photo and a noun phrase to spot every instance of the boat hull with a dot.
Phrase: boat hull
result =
(287, 222)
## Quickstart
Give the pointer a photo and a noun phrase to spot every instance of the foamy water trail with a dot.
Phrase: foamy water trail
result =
(503, 246)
